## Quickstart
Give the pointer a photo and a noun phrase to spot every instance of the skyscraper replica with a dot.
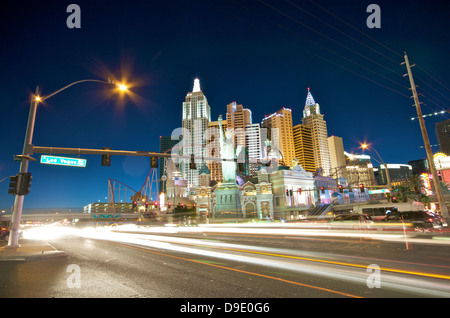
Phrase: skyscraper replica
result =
(196, 116)
(314, 119)
(279, 128)
(245, 134)
(303, 146)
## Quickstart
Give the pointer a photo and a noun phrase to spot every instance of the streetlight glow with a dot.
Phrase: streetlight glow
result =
(123, 87)
(37, 99)
(366, 146)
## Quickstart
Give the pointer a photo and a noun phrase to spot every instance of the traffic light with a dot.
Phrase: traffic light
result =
(361, 187)
(290, 192)
(106, 159)
(192, 165)
(153, 162)
(13, 185)
(25, 183)
(299, 191)
(322, 189)
(341, 188)
(394, 199)
(134, 204)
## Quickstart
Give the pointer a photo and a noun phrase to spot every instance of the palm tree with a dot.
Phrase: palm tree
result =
(411, 190)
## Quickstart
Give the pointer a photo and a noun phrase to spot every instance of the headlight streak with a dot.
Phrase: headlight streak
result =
(329, 270)
(292, 260)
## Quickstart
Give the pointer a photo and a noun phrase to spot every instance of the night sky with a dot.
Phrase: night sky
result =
(262, 54)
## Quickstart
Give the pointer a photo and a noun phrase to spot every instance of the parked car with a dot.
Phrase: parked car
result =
(4, 233)
(419, 221)
(351, 221)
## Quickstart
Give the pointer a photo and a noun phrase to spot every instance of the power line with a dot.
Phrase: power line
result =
(323, 35)
(355, 28)
(342, 32)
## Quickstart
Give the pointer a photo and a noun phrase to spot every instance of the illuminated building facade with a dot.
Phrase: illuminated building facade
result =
(279, 130)
(196, 116)
(314, 119)
(238, 118)
(303, 147)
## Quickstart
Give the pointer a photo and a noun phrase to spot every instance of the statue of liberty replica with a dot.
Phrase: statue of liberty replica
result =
(227, 201)
(228, 154)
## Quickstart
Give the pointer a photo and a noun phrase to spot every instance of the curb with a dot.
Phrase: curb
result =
(29, 252)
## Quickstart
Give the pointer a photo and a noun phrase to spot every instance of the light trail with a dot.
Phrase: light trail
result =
(311, 263)
(245, 272)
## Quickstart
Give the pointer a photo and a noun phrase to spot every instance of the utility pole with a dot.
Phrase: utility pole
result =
(436, 183)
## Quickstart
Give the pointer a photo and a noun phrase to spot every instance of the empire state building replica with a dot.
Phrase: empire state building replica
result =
(196, 116)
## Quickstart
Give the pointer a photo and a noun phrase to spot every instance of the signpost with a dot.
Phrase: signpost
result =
(63, 161)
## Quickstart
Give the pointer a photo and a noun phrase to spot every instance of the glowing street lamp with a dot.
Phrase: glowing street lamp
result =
(122, 87)
(366, 146)
(27, 151)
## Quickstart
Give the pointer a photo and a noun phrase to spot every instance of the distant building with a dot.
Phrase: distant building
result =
(104, 207)
(337, 156)
(166, 143)
(397, 173)
(419, 166)
(443, 136)
(359, 170)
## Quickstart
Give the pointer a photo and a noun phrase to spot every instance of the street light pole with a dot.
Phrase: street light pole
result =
(388, 177)
(13, 241)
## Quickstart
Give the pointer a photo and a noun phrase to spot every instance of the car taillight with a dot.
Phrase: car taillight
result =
(430, 220)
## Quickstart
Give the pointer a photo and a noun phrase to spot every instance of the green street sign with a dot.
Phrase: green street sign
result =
(62, 161)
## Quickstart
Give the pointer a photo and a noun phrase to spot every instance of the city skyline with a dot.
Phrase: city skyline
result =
(233, 62)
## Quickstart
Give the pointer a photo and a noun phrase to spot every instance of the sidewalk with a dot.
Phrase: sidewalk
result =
(30, 252)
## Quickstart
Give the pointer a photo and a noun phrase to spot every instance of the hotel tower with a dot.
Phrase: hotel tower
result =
(196, 116)
(314, 119)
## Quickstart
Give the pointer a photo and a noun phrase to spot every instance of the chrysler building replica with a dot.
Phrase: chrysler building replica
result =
(314, 119)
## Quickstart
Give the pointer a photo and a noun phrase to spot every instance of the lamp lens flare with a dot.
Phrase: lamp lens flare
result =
(123, 87)
(37, 98)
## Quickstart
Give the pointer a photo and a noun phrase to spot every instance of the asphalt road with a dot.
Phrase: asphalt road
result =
(226, 263)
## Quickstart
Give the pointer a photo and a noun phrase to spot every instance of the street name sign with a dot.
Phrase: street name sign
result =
(62, 161)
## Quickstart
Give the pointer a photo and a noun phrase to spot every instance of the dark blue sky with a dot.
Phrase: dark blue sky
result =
(262, 54)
